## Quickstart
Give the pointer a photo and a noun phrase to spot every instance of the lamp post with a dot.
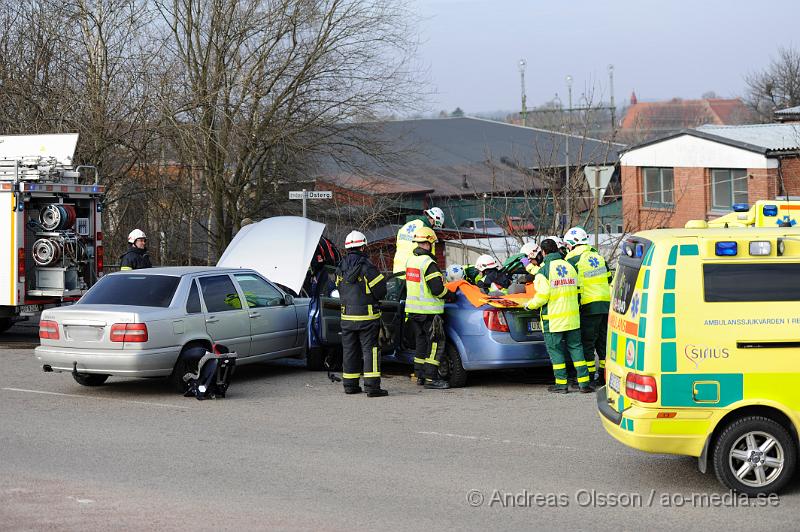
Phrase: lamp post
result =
(522, 64)
(567, 208)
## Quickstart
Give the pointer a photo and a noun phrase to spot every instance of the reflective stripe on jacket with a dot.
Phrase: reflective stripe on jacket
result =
(556, 295)
(405, 245)
(421, 270)
(361, 287)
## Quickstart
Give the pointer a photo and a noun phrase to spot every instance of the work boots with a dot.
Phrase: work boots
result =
(557, 388)
(437, 384)
(349, 390)
(377, 392)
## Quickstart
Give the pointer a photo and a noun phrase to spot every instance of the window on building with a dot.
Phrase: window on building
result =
(658, 186)
(728, 187)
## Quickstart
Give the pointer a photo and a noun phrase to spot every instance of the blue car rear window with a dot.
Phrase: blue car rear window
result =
(133, 290)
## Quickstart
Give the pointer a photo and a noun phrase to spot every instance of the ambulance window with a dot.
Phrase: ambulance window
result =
(628, 266)
(751, 282)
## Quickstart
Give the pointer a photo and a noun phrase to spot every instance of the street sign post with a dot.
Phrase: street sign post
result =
(309, 194)
(598, 178)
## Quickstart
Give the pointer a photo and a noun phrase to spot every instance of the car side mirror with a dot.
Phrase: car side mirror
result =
(288, 300)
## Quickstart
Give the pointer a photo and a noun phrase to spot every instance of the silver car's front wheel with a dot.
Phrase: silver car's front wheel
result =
(755, 455)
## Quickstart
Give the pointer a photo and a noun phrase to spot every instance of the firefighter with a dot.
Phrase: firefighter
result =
(594, 280)
(425, 295)
(136, 257)
(361, 287)
(491, 278)
(556, 285)
(433, 218)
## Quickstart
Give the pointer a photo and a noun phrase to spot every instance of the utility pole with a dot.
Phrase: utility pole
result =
(568, 209)
(522, 64)
(597, 207)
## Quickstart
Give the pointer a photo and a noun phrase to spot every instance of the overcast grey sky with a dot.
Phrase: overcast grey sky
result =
(660, 49)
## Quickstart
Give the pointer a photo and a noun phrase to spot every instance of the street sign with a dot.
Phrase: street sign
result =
(309, 194)
(598, 181)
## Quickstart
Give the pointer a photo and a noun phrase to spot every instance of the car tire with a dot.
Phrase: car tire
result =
(183, 366)
(734, 452)
(451, 368)
(90, 379)
(5, 324)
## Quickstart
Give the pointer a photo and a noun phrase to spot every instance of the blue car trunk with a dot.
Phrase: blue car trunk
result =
(523, 325)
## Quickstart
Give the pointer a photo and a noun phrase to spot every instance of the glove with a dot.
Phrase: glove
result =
(525, 261)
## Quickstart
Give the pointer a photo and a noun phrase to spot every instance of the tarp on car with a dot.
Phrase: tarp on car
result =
(279, 248)
(478, 298)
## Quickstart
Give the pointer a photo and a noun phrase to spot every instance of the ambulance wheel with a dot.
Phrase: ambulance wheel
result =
(5, 324)
(90, 379)
(755, 455)
(451, 368)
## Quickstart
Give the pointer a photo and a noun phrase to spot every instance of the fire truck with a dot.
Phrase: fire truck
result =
(51, 239)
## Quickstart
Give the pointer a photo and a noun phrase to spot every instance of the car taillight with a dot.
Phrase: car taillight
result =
(48, 330)
(641, 388)
(21, 265)
(128, 332)
(495, 320)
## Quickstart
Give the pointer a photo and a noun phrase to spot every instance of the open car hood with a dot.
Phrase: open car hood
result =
(279, 248)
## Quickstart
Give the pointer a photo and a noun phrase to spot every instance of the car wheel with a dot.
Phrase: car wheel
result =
(755, 455)
(451, 369)
(5, 324)
(90, 379)
(185, 364)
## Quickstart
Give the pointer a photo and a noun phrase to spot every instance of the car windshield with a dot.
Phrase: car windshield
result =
(133, 290)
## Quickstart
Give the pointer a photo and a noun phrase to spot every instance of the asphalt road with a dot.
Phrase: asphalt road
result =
(288, 450)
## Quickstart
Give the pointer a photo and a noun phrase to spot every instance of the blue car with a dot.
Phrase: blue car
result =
(483, 338)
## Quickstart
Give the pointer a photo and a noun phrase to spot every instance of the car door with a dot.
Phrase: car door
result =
(227, 320)
(273, 320)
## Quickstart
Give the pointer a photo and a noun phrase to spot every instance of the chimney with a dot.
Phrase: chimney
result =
(464, 183)
(634, 101)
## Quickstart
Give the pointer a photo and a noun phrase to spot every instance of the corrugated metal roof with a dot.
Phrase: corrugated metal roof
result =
(789, 111)
(770, 137)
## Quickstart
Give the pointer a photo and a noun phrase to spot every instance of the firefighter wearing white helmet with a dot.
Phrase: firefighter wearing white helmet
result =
(491, 277)
(425, 298)
(594, 281)
(136, 258)
(361, 288)
(432, 218)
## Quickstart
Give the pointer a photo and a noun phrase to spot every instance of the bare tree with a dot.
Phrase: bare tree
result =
(777, 86)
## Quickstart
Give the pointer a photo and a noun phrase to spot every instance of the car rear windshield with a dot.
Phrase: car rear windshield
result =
(134, 290)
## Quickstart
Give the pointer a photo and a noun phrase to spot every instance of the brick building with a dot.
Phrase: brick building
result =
(700, 173)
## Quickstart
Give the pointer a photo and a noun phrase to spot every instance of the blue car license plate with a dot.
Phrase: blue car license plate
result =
(534, 326)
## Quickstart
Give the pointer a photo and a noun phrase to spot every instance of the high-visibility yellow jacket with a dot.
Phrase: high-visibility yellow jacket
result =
(405, 244)
(425, 288)
(593, 279)
(556, 295)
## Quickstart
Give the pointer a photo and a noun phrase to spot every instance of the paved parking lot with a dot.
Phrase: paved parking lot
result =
(288, 450)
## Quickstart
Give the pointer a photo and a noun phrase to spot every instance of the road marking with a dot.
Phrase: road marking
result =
(495, 440)
(42, 392)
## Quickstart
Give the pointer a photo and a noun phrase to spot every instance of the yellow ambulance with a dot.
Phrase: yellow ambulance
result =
(703, 353)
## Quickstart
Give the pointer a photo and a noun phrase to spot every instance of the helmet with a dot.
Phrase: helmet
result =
(355, 239)
(556, 239)
(576, 236)
(455, 272)
(437, 215)
(485, 262)
(135, 235)
(425, 234)
(530, 249)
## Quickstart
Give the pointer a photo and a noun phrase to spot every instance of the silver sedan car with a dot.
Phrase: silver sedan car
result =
(138, 323)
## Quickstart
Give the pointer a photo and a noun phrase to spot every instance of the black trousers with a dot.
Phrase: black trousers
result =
(428, 332)
(360, 355)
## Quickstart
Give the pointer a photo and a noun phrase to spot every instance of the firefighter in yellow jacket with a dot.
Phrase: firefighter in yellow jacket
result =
(405, 245)
(594, 280)
(556, 285)
(425, 295)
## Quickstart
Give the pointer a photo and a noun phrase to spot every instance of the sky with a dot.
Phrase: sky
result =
(470, 49)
